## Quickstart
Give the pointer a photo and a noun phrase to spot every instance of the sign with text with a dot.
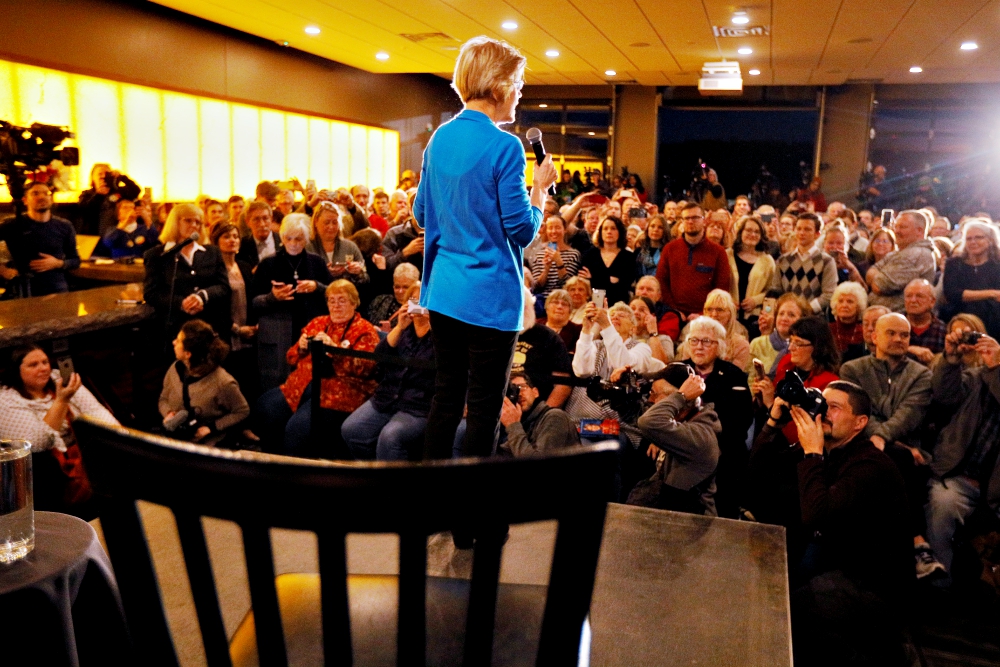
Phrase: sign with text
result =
(749, 31)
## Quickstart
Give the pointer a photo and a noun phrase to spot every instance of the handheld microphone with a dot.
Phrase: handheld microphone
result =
(534, 137)
(186, 242)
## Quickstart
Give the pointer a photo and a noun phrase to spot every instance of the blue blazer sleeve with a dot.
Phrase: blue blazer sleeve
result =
(520, 219)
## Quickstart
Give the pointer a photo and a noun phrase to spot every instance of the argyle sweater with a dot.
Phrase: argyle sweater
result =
(814, 278)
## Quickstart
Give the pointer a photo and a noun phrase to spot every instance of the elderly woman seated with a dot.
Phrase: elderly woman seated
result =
(558, 307)
(847, 305)
(385, 306)
(200, 401)
(646, 329)
(37, 405)
(390, 425)
(579, 292)
(285, 412)
(287, 293)
(719, 305)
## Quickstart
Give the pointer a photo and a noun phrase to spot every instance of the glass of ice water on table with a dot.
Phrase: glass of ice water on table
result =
(17, 516)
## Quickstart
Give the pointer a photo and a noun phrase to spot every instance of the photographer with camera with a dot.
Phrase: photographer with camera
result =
(531, 424)
(713, 195)
(684, 443)
(42, 246)
(844, 504)
(98, 203)
(964, 473)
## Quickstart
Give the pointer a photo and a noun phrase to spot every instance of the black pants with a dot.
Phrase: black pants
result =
(473, 365)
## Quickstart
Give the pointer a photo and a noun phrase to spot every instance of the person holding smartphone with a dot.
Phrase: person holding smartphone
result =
(556, 264)
(478, 218)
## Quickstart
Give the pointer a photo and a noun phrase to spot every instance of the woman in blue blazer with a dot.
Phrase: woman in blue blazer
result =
(478, 217)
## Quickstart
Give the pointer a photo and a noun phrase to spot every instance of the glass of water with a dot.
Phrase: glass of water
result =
(17, 515)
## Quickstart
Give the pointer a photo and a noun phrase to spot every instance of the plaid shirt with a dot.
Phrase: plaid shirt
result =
(932, 337)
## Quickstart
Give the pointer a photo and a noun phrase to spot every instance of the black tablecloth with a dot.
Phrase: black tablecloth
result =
(60, 605)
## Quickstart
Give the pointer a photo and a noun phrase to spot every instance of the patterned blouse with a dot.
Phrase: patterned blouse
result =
(352, 383)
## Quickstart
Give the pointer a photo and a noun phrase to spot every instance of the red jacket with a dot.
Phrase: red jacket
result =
(688, 273)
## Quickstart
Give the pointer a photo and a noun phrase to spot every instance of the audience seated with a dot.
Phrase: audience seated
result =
(284, 413)
(287, 293)
(540, 353)
(390, 425)
(683, 433)
(806, 270)
(186, 283)
(383, 308)
(37, 405)
(915, 259)
(786, 310)
(263, 241)
(691, 266)
(847, 306)
(200, 401)
(558, 306)
(720, 307)
(532, 425)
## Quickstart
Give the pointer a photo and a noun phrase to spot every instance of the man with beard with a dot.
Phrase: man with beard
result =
(42, 246)
(691, 266)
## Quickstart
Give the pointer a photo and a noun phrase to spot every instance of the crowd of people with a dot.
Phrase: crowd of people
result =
(738, 322)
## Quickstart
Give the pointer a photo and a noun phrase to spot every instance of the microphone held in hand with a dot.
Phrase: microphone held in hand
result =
(534, 137)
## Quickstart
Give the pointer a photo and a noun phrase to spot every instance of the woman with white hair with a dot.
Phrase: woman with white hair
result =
(847, 304)
(719, 305)
(726, 388)
(287, 293)
(384, 306)
(188, 283)
(972, 274)
(478, 218)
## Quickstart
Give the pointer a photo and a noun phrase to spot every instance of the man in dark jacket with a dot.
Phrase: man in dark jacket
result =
(964, 472)
(42, 246)
(531, 425)
(684, 434)
(857, 569)
(404, 243)
(263, 241)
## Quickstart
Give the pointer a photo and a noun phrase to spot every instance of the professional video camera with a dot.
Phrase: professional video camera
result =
(27, 149)
(792, 391)
(699, 181)
(627, 397)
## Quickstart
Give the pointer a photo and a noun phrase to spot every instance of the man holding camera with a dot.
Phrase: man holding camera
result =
(856, 572)
(685, 445)
(42, 246)
(531, 425)
(964, 472)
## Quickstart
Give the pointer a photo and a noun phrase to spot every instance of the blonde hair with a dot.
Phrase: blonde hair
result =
(487, 69)
(171, 227)
(345, 287)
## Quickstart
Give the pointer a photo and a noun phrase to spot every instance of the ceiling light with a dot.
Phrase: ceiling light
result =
(610, 72)
(969, 46)
(382, 55)
(754, 72)
(741, 19)
(552, 53)
(744, 51)
(312, 30)
(508, 25)
(543, 106)
(591, 133)
(916, 69)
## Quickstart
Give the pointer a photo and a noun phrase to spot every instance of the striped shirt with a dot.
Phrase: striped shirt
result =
(570, 259)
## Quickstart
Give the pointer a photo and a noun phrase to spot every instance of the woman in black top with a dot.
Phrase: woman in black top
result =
(972, 276)
(287, 293)
(609, 265)
(188, 283)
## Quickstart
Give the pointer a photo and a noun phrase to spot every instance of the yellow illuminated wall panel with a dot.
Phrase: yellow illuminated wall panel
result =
(185, 145)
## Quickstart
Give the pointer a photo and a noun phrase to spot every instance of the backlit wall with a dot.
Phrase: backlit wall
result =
(184, 145)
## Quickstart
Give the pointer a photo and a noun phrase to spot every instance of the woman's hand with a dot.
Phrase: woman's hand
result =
(601, 319)
(324, 338)
(355, 268)
(336, 269)
(282, 291)
(766, 390)
(201, 433)
(748, 305)
(63, 394)
(303, 342)
(379, 261)
(653, 452)
(584, 272)
(246, 333)
(550, 257)
(306, 286)
(402, 317)
(192, 304)
(545, 175)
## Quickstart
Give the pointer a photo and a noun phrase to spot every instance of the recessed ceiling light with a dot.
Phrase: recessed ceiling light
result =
(741, 19)
(382, 55)
(312, 30)
(754, 72)
(552, 53)
(591, 134)
(508, 25)
(969, 46)
(543, 106)
(610, 72)
(744, 51)
(916, 69)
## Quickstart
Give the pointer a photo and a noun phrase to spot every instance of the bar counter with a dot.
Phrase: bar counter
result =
(63, 315)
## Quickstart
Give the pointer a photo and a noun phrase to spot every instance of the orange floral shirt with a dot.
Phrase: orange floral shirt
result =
(352, 383)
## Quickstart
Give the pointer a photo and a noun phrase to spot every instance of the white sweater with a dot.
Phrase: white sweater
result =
(24, 418)
(640, 357)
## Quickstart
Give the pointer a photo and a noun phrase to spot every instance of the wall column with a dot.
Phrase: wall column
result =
(635, 132)
(846, 126)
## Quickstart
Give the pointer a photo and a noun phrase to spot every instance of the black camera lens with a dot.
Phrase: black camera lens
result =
(970, 337)
(514, 392)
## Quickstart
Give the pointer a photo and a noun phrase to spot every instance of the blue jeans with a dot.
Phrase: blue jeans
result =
(385, 436)
(949, 503)
(285, 432)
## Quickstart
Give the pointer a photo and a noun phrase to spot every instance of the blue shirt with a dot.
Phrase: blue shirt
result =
(477, 219)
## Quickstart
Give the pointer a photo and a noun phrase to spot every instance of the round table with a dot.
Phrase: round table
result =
(60, 603)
